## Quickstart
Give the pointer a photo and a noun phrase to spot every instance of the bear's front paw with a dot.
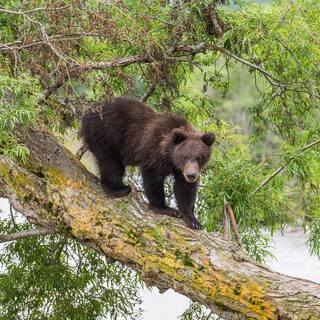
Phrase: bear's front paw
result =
(192, 223)
(167, 211)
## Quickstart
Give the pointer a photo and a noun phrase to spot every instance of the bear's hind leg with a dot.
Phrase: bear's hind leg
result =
(153, 185)
(111, 176)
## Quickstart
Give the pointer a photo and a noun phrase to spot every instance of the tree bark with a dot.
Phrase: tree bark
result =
(54, 190)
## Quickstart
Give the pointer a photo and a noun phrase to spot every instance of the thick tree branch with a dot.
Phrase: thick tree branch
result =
(26, 234)
(56, 190)
(122, 62)
(191, 50)
(145, 58)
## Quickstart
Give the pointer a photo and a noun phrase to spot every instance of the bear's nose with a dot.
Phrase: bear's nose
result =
(191, 176)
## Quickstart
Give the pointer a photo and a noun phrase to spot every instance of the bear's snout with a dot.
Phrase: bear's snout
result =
(191, 171)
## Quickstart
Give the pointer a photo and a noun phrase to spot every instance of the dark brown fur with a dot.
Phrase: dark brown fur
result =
(125, 132)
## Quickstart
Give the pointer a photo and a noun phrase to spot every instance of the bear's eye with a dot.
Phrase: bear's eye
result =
(199, 159)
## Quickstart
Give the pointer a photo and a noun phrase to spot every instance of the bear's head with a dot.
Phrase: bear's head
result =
(191, 152)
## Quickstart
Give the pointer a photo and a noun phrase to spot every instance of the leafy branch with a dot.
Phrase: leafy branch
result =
(281, 168)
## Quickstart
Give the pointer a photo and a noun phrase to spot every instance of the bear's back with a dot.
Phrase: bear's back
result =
(130, 130)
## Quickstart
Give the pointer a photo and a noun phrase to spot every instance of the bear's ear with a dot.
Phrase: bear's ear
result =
(208, 138)
(178, 136)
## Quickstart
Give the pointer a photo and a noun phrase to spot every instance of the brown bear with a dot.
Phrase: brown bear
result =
(125, 132)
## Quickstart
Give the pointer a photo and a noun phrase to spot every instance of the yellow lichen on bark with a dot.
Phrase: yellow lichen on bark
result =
(159, 253)
(18, 181)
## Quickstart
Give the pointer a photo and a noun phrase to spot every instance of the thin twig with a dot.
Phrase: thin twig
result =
(26, 234)
(209, 315)
(265, 181)
(148, 93)
(169, 23)
(81, 152)
(268, 76)
(63, 243)
(277, 171)
(233, 221)
(53, 38)
(310, 145)
(12, 216)
(44, 36)
(2, 9)
(248, 63)
(48, 92)
(226, 221)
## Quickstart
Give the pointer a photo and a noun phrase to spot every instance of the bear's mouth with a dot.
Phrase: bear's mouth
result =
(191, 178)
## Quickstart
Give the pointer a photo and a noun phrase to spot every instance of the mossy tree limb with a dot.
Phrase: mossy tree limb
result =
(55, 190)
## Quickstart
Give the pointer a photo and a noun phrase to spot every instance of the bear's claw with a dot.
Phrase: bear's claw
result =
(192, 223)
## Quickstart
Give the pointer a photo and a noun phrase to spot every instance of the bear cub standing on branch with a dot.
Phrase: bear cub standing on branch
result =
(125, 132)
